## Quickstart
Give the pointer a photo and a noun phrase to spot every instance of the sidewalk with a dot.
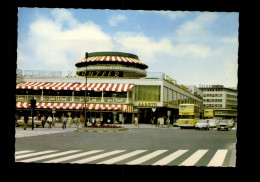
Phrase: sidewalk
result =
(58, 126)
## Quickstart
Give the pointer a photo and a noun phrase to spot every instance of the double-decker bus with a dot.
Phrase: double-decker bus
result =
(189, 114)
(220, 113)
(208, 113)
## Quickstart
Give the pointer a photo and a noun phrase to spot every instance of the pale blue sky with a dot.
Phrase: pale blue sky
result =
(191, 47)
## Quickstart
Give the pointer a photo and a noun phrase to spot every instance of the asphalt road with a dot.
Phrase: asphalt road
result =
(150, 139)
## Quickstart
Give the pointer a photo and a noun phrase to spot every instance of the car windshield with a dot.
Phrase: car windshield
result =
(223, 122)
(202, 121)
(212, 121)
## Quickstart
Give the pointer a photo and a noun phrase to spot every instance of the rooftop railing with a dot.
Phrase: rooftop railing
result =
(74, 99)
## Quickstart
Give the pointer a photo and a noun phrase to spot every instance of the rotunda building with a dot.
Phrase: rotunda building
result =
(111, 65)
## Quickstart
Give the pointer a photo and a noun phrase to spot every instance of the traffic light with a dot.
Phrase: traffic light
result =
(33, 103)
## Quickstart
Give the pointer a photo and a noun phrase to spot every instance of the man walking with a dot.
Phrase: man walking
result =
(25, 121)
(49, 121)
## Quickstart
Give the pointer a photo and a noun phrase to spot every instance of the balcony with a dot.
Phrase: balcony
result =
(75, 99)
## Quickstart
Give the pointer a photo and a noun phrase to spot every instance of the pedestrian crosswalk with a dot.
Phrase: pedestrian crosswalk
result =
(182, 157)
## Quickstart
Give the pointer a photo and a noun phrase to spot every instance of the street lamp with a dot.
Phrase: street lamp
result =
(85, 111)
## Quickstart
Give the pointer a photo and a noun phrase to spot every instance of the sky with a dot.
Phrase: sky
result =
(193, 48)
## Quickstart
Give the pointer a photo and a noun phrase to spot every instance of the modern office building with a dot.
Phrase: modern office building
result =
(218, 96)
(111, 85)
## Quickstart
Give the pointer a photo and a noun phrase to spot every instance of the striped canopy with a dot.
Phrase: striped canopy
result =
(118, 87)
(78, 106)
(112, 59)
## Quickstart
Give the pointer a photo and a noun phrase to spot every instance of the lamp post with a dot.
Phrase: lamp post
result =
(85, 111)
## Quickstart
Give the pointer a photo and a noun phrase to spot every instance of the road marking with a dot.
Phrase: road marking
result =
(73, 156)
(49, 156)
(146, 157)
(218, 158)
(122, 157)
(89, 159)
(34, 154)
(194, 158)
(170, 157)
(23, 152)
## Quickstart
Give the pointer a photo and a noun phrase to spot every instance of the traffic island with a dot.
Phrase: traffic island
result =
(104, 128)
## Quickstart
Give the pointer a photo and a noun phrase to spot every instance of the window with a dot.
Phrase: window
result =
(147, 93)
(165, 94)
(170, 97)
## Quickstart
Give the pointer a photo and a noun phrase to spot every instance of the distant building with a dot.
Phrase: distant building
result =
(218, 96)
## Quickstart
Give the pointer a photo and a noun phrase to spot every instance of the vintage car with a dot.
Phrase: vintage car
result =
(202, 124)
(37, 123)
(231, 123)
(223, 125)
(212, 123)
(176, 123)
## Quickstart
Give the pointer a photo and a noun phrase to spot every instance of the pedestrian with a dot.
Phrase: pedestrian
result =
(53, 121)
(123, 120)
(168, 122)
(49, 121)
(75, 120)
(152, 120)
(63, 121)
(158, 121)
(82, 120)
(43, 119)
(26, 118)
(69, 121)
(161, 121)
(136, 121)
(93, 121)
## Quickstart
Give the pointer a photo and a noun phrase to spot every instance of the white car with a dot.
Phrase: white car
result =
(231, 123)
(212, 123)
(202, 124)
(36, 122)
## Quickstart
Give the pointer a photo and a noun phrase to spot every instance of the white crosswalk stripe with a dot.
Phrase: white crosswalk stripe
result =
(194, 158)
(170, 158)
(122, 157)
(146, 157)
(23, 152)
(34, 154)
(73, 156)
(183, 157)
(218, 158)
(86, 160)
(49, 156)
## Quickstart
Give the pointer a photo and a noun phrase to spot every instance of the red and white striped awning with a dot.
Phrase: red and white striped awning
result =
(118, 87)
(78, 106)
(112, 59)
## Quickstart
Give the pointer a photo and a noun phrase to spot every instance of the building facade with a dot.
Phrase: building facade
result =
(110, 85)
(218, 96)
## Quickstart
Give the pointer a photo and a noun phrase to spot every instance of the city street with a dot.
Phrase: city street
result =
(143, 145)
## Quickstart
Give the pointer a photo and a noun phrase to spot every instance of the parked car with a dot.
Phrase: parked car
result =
(37, 123)
(176, 123)
(231, 123)
(212, 123)
(202, 124)
(223, 125)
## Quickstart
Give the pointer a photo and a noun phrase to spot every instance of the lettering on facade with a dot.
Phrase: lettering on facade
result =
(147, 104)
(169, 79)
(101, 74)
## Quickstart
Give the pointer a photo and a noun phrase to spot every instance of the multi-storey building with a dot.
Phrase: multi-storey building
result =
(218, 96)
(110, 85)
